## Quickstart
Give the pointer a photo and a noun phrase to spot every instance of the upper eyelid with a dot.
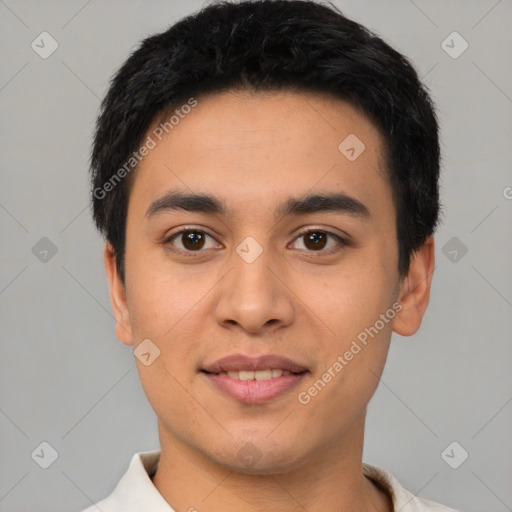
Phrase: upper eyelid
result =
(191, 229)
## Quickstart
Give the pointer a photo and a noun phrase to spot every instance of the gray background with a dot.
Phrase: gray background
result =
(66, 380)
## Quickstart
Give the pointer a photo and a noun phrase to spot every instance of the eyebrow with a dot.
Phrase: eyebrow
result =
(312, 203)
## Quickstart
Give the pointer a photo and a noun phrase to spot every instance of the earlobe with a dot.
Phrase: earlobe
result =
(415, 290)
(117, 296)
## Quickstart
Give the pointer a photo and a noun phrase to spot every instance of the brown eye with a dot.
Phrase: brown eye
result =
(315, 240)
(190, 241)
(319, 241)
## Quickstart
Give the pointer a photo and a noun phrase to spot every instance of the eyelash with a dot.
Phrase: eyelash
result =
(322, 252)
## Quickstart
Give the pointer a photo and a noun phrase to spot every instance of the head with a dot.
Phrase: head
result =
(266, 177)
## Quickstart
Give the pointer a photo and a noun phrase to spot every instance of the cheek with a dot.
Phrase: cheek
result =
(164, 305)
(352, 297)
(160, 295)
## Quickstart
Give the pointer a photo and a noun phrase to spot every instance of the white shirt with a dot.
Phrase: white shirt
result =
(135, 492)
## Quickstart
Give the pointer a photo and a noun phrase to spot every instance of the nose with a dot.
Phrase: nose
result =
(254, 296)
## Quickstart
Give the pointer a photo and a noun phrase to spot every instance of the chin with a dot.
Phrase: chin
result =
(259, 458)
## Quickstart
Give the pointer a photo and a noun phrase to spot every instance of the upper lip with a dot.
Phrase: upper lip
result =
(241, 362)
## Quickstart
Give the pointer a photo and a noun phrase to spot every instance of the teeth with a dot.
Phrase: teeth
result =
(268, 374)
(263, 375)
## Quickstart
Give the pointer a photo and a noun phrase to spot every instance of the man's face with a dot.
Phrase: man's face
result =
(257, 281)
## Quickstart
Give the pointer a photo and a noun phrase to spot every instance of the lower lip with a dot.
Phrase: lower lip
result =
(255, 391)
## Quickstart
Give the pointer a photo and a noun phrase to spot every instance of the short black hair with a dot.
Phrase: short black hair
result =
(271, 45)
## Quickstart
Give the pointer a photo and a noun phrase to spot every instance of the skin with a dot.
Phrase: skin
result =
(253, 151)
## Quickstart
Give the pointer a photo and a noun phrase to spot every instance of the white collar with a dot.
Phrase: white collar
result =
(135, 492)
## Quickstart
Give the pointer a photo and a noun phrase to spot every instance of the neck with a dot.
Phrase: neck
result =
(329, 479)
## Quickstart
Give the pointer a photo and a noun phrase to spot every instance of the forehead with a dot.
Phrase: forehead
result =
(249, 149)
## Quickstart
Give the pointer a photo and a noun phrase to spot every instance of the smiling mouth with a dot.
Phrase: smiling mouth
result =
(254, 380)
(268, 374)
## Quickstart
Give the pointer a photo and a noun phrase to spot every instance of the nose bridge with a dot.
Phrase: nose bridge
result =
(252, 277)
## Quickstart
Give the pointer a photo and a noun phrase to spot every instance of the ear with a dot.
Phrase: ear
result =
(415, 290)
(117, 297)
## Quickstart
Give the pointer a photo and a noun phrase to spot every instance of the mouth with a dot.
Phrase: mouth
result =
(254, 380)
(267, 374)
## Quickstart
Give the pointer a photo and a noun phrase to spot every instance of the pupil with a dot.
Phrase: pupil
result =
(193, 240)
(317, 239)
